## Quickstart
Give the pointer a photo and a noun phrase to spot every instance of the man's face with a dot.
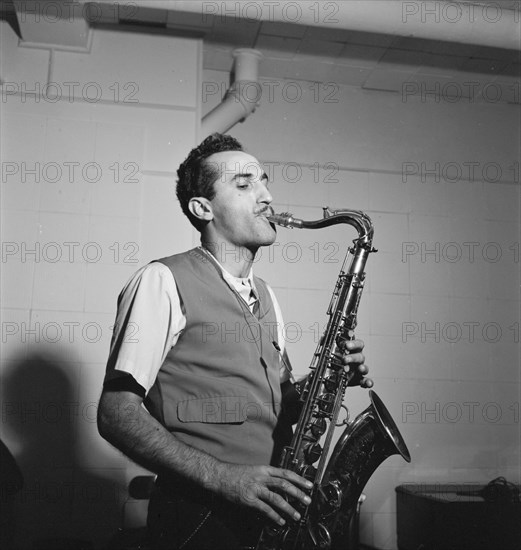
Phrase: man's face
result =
(241, 201)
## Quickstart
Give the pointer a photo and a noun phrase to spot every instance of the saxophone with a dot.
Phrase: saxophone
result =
(365, 443)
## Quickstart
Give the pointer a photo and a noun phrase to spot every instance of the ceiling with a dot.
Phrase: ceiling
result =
(375, 61)
(370, 61)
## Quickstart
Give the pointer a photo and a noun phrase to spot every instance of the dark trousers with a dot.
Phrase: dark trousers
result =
(181, 517)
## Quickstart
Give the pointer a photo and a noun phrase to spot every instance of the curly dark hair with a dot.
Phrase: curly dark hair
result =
(195, 176)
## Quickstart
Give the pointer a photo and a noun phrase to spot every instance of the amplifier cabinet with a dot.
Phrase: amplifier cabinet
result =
(453, 517)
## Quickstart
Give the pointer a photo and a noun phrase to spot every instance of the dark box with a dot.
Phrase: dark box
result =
(453, 517)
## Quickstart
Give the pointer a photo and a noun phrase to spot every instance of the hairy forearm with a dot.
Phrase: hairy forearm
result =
(130, 428)
(124, 423)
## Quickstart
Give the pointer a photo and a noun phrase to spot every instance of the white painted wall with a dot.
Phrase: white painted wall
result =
(95, 168)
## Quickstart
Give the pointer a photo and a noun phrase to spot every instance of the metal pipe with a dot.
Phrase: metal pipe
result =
(242, 97)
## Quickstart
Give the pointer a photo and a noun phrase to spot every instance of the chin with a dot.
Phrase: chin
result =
(265, 240)
(271, 238)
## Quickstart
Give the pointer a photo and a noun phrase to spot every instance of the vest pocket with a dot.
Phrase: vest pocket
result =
(222, 409)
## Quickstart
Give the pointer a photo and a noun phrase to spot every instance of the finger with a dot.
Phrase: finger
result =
(290, 490)
(293, 477)
(354, 345)
(281, 505)
(367, 383)
(357, 369)
(283, 486)
(269, 512)
(354, 358)
(262, 499)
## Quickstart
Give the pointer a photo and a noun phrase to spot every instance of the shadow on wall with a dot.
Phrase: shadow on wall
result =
(62, 504)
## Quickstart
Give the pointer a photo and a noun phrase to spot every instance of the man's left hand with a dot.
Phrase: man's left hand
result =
(353, 359)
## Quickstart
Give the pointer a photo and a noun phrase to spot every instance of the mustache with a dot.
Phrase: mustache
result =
(265, 210)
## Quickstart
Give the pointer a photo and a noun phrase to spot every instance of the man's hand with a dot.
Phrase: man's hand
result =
(354, 359)
(263, 488)
(130, 427)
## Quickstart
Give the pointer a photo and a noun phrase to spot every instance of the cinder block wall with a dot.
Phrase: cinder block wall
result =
(88, 169)
(440, 311)
(87, 197)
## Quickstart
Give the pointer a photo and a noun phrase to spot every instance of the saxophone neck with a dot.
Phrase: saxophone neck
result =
(356, 218)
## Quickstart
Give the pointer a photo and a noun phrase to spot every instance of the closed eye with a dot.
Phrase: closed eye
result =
(243, 183)
(243, 180)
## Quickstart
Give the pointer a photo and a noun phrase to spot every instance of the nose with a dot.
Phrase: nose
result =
(264, 193)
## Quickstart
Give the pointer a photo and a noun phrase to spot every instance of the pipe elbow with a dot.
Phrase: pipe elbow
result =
(241, 99)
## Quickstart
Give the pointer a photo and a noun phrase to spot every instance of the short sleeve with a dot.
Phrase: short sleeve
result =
(148, 323)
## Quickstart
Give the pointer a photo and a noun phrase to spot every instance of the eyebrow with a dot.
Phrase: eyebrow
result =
(249, 175)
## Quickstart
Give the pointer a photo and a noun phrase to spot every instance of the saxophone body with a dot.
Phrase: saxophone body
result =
(366, 442)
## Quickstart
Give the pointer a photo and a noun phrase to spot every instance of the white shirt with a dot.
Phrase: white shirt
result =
(150, 319)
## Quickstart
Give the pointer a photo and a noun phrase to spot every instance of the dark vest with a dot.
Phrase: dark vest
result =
(219, 386)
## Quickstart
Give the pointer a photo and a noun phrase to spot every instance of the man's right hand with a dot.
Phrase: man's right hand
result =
(263, 488)
(130, 427)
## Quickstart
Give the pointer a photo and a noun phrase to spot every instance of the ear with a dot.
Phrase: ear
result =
(201, 208)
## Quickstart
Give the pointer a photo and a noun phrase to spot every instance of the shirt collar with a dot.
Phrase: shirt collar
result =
(236, 282)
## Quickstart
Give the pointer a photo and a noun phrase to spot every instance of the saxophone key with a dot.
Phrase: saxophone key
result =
(309, 472)
(318, 427)
(330, 499)
(344, 336)
(326, 402)
(332, 382)
(312, 452)
(336, 362)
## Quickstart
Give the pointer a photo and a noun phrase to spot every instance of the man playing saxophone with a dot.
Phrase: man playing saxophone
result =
(213, 421)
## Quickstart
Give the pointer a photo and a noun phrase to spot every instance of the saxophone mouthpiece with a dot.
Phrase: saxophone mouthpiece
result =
(284, 220)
